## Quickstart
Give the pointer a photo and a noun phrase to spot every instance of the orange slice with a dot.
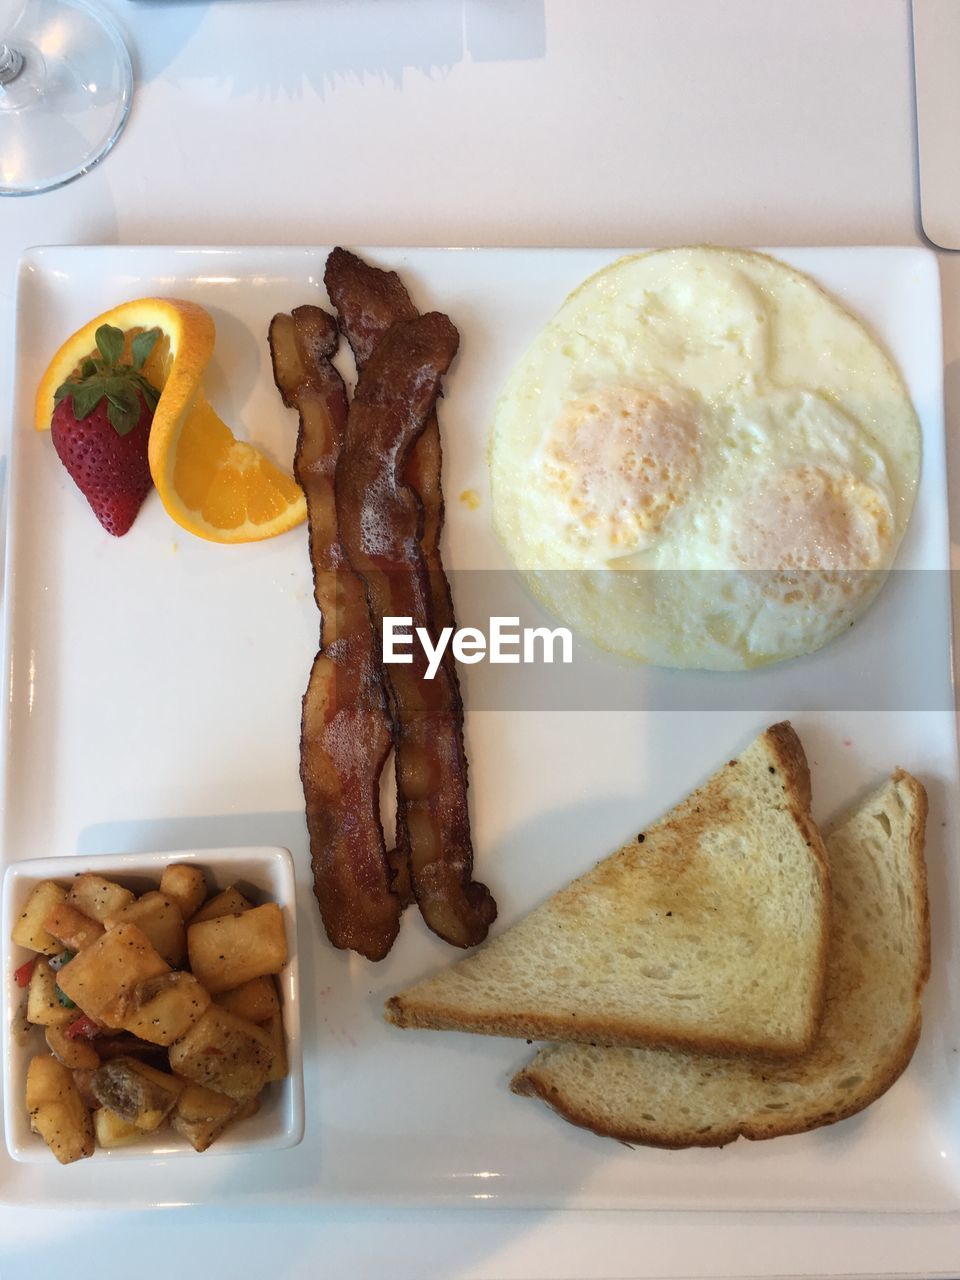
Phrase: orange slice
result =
(212, 484)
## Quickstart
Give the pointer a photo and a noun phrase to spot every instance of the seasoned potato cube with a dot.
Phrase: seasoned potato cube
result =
(72, 1053)
(197, 1103)
(274, 1029)
(224, 1053)
(44, 1009)
(28, 930)
(139, 1094)
(71, 928)
(230, 950)
(186, 886)
(255, 1000)
(112, 1130)
(246, 1110)
(160, 919)
(56, 1110)
(164, 1008)
(201, 1115)
(47, 1081)
(96, 897)
(101, 980)
(230, 902)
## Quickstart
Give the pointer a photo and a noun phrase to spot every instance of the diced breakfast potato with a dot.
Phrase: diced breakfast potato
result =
(230, 950)
(160, 919)
(230, 902)
(101, 979)
(56, 1110)
(112, 1130)
(71, 928)
(73, 1053)
(186, 886)
(274, 1029)
(246, 1110)
(164, 1008)
(201, 1115)
(139, 1094)
(255, 1000)
(96, 897)
(47, 1081)
(44, 1008)
(225, 1053)
(177, 1013)
(28, 930)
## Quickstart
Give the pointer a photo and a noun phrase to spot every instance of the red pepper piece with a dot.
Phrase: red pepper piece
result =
(83, 1029)
(23, 975)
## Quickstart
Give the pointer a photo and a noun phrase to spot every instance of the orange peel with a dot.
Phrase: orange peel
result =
(210, 483)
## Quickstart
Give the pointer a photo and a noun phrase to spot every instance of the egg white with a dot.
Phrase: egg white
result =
(704, 461)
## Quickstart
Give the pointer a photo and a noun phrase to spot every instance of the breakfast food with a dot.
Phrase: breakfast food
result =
(134, 1042)
(707, 930)
(704, 461)
(381, 525)
(368, 301)
(371, 473)
(346, 730)
(101, 426)
(879, 963)
(210, 483)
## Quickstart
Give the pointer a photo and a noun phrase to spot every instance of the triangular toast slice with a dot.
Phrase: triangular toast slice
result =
(706, 931)
(879, 962)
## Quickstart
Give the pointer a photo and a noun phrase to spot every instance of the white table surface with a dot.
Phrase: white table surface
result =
(498, 122)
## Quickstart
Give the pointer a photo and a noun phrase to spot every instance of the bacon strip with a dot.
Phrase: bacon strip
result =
(346, 727)
(381, 525)
(368, 301)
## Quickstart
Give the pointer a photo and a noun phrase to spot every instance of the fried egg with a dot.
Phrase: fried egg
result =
(704, 461)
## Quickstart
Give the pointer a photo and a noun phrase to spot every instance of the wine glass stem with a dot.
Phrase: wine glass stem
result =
(11, 63)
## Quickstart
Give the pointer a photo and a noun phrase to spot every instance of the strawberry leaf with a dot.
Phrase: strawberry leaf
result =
(142, 345)
(110, 343)
(123, 386)
(86, 397)
(147, 390)
(122, 412)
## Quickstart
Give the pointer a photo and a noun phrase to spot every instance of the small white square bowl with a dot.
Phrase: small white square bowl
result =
(267, 875)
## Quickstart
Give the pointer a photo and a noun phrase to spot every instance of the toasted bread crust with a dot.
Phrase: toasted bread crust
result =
(917, 837)
(529, 1083)
(787, 746)
(535, 1080)
(606, 1031)
(786, 756)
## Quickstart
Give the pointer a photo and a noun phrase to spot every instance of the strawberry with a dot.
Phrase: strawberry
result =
(101, 426)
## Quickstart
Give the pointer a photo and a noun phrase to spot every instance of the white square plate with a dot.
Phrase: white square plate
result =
(265, 874)
(154, 689)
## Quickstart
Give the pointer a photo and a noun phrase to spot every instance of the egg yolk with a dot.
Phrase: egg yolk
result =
(620, 461)
(814, 518)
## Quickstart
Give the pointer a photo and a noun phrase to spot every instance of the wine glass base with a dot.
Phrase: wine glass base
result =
(67, 106)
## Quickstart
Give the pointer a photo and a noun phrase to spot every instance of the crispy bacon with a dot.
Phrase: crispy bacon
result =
(346, 730)
(368, 301)
(381, 527)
